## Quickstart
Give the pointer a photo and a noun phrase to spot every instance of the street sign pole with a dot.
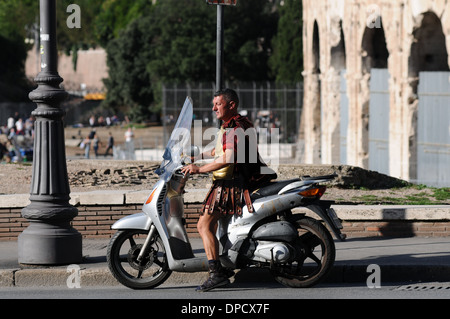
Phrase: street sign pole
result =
(220, 31)
(219, 52)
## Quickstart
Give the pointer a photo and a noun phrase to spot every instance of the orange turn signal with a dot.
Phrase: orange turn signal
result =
(151, 196)
(314, 192)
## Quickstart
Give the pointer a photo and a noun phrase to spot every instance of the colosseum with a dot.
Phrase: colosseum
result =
(377, 86)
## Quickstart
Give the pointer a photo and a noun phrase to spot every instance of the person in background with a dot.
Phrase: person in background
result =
(87, 147)
(110, 144)
(95, 144)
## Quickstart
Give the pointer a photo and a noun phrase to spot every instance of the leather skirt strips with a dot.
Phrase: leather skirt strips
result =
(227, 197)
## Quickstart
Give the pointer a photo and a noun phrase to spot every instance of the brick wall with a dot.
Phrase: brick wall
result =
(192, 213)
(96, 221)
(396, 228)
(91, 222)
(11, 223)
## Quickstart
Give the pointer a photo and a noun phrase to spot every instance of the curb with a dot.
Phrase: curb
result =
(87, 277)
(92, 277)
(345, 212)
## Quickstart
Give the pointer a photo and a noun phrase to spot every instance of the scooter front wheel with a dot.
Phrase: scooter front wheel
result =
(122, 253)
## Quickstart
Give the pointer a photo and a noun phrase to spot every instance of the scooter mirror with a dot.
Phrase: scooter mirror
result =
(194, 151)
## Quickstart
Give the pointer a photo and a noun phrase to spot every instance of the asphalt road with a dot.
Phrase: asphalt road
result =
(243, 292)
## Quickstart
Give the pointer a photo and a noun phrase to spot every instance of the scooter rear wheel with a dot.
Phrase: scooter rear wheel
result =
(122, 254)
(316, 254)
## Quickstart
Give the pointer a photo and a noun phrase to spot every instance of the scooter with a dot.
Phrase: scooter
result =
(298, 250)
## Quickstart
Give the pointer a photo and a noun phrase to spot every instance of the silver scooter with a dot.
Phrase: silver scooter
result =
(298, 250)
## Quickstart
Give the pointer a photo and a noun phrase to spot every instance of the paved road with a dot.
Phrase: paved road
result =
(248, 292)
(400, 260)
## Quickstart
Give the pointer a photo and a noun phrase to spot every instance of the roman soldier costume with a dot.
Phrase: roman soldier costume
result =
(233, 184)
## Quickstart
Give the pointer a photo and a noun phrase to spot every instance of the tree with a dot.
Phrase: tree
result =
(248, 34)
(287, 59)
(70, 40)
(116, 15)
(187, 43)
(176, 42)
(14, 15)
(183, 42)
(19, 21)
(129, 87)
(13, 85)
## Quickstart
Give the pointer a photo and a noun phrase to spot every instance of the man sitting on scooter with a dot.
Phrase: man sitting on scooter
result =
(237, 170)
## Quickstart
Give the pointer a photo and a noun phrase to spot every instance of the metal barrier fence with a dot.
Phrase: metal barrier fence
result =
(267, 104)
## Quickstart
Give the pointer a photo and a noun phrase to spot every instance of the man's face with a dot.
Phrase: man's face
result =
(224, 110)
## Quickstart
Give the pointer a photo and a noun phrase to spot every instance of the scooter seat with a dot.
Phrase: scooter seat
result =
(271, 188)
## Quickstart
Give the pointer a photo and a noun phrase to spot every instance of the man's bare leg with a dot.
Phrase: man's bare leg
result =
(207, 227)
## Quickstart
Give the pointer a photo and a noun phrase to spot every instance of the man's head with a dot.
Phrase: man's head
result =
(225, 104)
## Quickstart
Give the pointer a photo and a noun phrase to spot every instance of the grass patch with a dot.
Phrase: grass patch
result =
(442, 194)
(436, 196)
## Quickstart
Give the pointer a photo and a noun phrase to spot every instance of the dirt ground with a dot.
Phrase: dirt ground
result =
(353, 185)
(90, 175)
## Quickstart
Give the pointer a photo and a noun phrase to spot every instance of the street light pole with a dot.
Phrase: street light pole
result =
(219, 48)
(220, 32)
(49, 239)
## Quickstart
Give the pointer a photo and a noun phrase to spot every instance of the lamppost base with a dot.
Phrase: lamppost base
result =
(52, 243)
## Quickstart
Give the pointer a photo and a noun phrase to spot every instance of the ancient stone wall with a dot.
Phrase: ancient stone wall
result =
(90, 69)
(355, 36)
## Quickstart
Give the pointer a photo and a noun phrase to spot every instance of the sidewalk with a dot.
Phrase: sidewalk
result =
(400, 259)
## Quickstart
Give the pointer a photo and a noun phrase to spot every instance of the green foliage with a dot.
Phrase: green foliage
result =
(249, 30)
(16, 17)
(167, 42)
(70, 40)
(183, 42)
(428, 196)
(13, 17)
(176, 42)
(115, 15)
(19, 20)
(129, 86)
(13, 85)
(287, 59)
(442, 194)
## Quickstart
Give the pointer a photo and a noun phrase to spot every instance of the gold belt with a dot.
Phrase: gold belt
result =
(227, 171)
(224, 173)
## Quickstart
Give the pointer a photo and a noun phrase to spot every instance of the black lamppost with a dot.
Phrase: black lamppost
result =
(49, 239)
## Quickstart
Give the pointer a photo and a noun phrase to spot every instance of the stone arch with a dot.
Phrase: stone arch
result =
(316, 90)
(428, 54)
(375, 55)
(428, 50)
(335, 109)
(338, 53)
(316, 49)
(375, 52)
